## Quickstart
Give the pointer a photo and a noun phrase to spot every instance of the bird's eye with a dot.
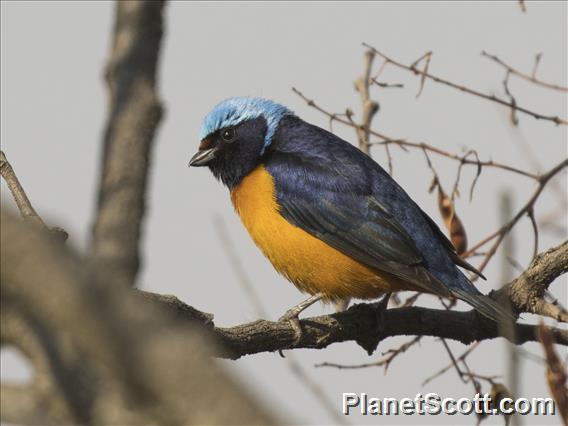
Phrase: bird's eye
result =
(229, 134)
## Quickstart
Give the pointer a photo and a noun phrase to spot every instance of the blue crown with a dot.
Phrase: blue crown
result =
(234, 111)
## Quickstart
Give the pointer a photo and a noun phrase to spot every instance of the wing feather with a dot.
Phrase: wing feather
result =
(360, 227)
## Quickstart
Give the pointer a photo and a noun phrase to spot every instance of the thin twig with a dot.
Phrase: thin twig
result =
(370, 107)
(387, 85)
(388, 357)
(417, 145)
(530, 214)
(523, 75)
(504, 230)
(22, 201)
(555, 119)
(514, 118)
(468, 375)
(451, 364)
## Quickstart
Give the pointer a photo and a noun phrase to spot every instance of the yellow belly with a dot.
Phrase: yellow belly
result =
(309, 263)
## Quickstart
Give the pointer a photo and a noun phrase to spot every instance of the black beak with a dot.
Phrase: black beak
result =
(202, 157)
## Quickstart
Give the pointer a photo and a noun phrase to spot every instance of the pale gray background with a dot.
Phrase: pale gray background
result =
(53, 107)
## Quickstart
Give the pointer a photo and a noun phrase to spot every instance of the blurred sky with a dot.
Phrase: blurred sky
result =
(53, 106)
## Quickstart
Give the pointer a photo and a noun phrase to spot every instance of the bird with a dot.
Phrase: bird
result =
(328, 217)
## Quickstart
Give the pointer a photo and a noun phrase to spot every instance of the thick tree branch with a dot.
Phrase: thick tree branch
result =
(134, 113)
(43, 400)
(114, 356)
(29, 406)
(360, 324)
(528, 290)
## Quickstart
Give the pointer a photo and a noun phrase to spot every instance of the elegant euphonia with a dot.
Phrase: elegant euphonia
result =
(329, 218)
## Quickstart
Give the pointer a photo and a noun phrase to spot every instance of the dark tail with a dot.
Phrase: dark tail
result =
(485, 306)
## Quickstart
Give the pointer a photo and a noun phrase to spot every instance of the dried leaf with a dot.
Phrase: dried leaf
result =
(427, 56)
(453, 223)
(498, 392)
(556, 372)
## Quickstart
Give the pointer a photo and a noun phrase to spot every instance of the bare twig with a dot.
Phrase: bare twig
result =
(468, 375)
(385, 361)
(531, 155)
(524, 76)
(22, 201)
(555, 119)
(385, 140)
(530, 214)
(451, 364)
(504, 230)
(370, 107)
(387, 85)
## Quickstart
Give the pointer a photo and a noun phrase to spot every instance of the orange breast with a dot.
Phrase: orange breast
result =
(312, 265)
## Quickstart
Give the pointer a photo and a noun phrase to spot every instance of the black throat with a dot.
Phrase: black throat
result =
(236, 160)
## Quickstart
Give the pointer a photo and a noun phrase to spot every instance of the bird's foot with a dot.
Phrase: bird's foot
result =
(291, 316)
(381, 310)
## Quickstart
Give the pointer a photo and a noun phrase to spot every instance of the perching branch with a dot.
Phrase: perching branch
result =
(360, 323)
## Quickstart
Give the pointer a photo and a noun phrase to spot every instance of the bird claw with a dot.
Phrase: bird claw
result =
(291, 316)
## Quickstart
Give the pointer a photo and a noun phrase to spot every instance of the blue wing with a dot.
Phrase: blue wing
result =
(341, 209)
(335, 192)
